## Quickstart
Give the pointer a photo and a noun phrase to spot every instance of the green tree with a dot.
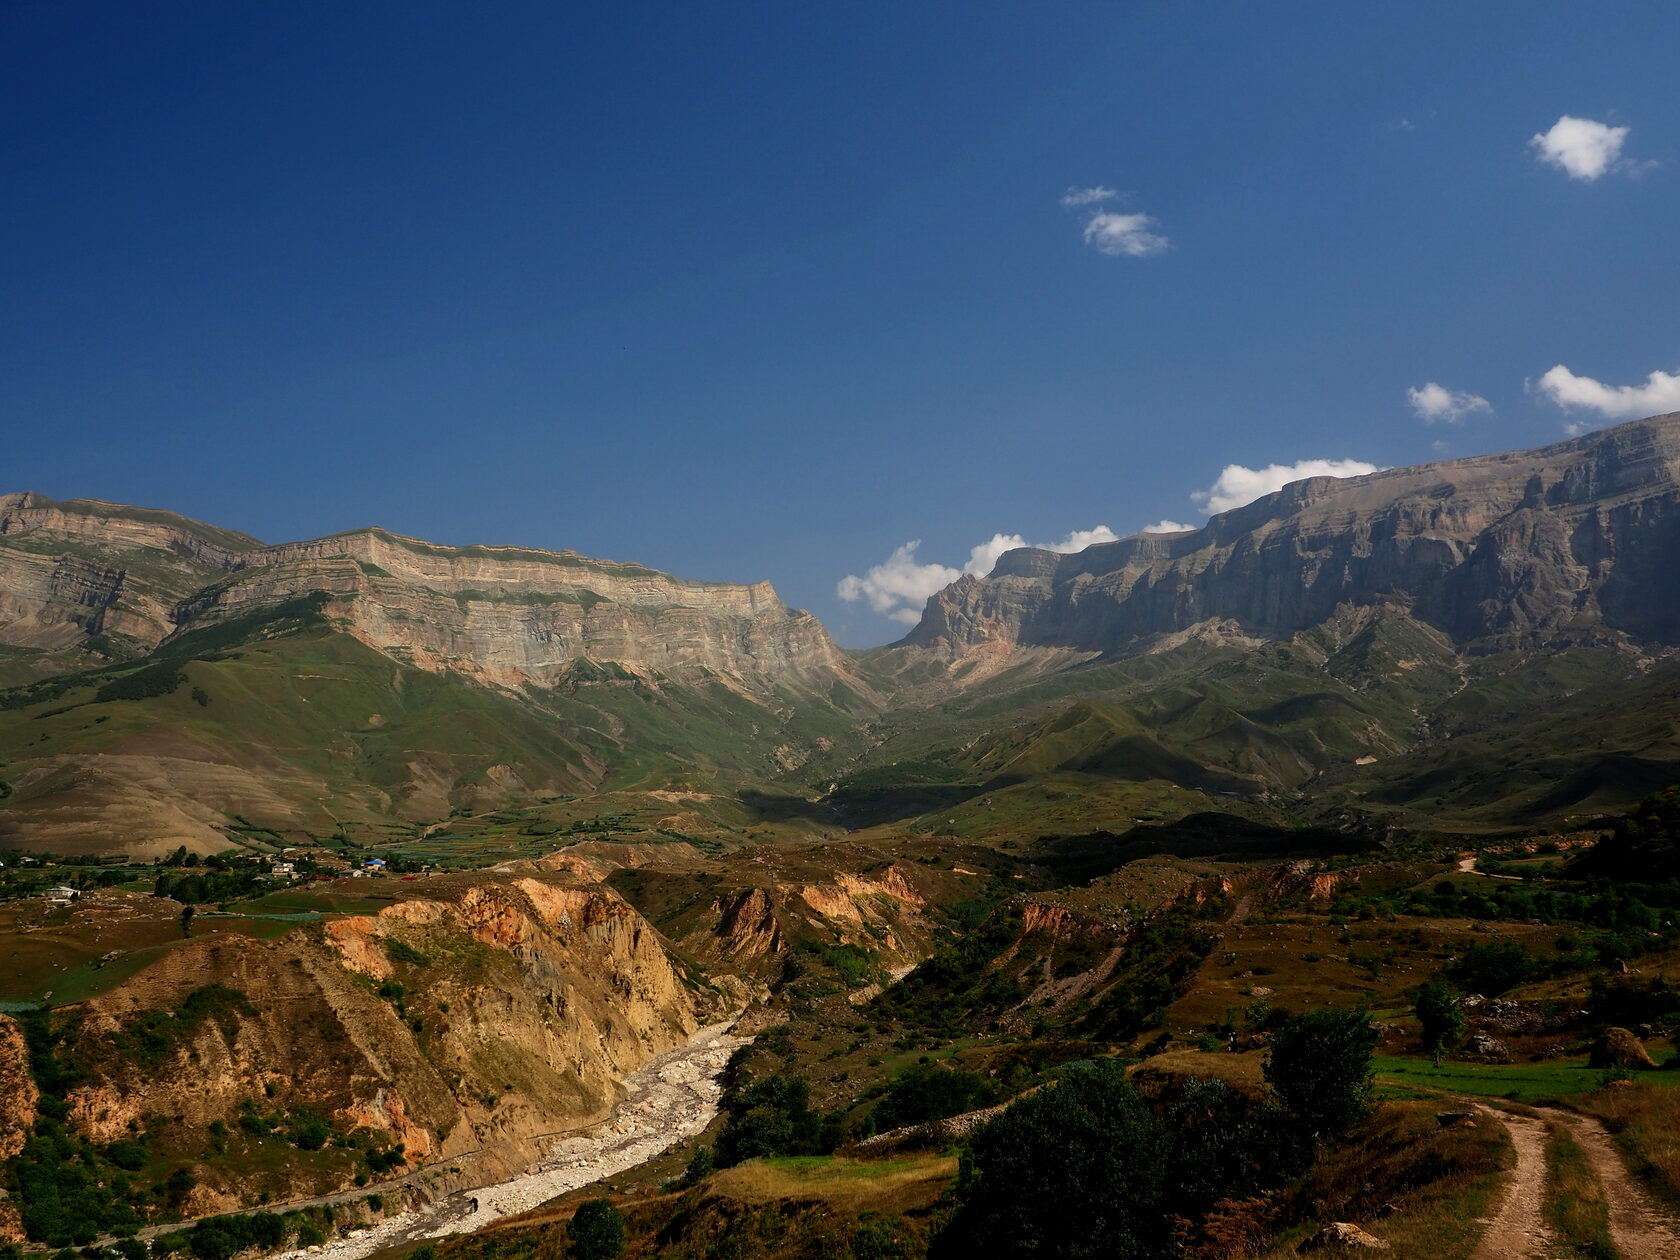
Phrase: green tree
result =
(1441, 1013)
(596, 1230)
(187, 913)
(1075, 1171)
(1492, 969)
(1320, 1069)
(932, 1091)
(771, 1117)
(701, 1165)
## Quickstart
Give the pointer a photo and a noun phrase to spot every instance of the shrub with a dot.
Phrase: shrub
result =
(402, 952)
(596, 1230)
(1077, 1170)
(933, 1092)
(701, 1164)
(1492, 969)
(1320, 1069)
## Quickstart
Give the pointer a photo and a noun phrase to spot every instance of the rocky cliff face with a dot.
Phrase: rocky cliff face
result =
(507, 615)
(1569, 542)
(465, 1021)
(73, 570)
(513, 616)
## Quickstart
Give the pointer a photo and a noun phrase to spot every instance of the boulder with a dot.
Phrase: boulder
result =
(1489, 1047)
(1340, 1235)
(1619, 1048)
(1456, 1119)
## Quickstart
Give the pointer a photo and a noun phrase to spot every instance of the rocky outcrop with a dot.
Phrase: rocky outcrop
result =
(1619, 1048)
(81, 568)
(508, 615)
(466, 1021)
(1565, 543)
(18, 1094)
(1343, 1236)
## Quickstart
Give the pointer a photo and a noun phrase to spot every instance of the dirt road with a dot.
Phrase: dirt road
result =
(1638, 1230)
(1518, 1231)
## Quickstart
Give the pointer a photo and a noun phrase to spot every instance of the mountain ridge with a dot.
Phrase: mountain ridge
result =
(1502, 549)
(1373, 647)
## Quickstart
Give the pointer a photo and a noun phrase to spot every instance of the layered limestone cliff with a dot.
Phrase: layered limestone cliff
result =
(1566, 543)
(467, 1022)
(82, 568)
(508, 615)
(512, 615)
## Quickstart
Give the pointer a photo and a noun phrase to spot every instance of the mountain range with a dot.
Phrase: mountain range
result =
(1473, 644)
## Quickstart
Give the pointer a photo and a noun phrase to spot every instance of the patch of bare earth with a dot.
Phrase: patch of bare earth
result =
(1639, 1230)
(1519, 1230)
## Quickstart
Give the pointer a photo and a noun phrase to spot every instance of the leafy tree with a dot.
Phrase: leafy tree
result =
(771, 1117)
(1492, 969)
(701, 1164)
(1442, 1015)
(1226, 1145)
(1075, 1171)
(309, 1132)
(932, 1092)
(596, 1230)
(1320, 1069)
(1643, 845)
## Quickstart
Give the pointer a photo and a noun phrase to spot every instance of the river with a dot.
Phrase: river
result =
(669, 1099)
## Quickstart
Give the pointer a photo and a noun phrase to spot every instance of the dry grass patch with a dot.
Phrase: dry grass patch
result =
(1576, 1206)
(1645, 1118)
(1418, 1187)
(895, 1185)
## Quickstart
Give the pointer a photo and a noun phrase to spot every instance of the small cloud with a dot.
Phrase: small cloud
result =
(902, 585)
(1237, 486)
(1088, 196)
(1405, 124)
(1167, 527)
(1124, 235)
(1660, 393)
(899, 587)
(1436, 404)
(1584, 149)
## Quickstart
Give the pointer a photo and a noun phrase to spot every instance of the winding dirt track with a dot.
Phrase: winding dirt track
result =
(1639, 1230)
(1519, 1228)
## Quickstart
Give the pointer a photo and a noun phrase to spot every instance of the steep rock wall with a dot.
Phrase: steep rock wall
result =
(1521, 549)
(534, 997)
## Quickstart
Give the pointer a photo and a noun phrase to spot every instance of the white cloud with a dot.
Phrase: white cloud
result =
(1583, 148)
(1238, 485)
(902, 585)
(1124, 235)
(1659, 393)
(1166, 527)
(1088, 196)
(1436, 404)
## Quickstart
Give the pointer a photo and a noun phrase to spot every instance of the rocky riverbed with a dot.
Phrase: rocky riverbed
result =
(669, 1099)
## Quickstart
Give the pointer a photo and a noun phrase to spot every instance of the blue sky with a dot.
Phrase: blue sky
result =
(768, 291)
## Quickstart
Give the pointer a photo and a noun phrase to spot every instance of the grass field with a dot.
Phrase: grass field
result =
(832, 1179)
(1522, 1082)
